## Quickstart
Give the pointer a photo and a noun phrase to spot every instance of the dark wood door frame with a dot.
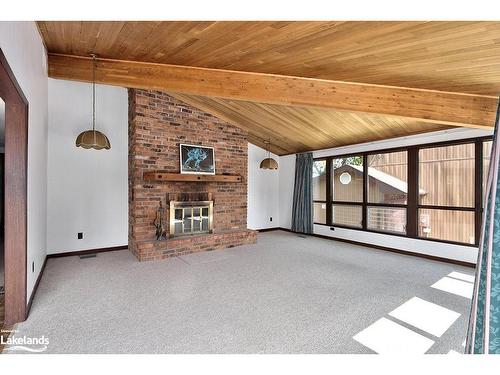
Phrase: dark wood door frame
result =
(15, 182)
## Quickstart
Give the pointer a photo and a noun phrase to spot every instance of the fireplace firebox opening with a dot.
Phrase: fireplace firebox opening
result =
(189, 218)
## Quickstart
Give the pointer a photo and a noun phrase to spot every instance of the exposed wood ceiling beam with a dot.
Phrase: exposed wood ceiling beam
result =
(439, 107)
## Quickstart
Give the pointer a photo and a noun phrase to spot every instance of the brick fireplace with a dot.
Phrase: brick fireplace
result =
(158, 123)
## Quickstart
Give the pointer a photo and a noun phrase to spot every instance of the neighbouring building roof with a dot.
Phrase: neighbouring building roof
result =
(387, 179)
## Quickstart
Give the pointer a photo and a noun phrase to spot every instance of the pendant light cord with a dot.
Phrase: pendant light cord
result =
(93, 92)
(92, 138)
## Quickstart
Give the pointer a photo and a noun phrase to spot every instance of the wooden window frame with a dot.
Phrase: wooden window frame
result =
(413, 203)
(328, 192)
(15, 187)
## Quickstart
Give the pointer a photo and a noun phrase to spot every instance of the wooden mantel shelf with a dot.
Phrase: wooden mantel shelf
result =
(159, 176)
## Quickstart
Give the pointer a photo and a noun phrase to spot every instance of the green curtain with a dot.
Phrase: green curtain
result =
(302, 217)
(483, 336)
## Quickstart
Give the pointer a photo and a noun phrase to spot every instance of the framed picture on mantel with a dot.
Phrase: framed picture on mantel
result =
(196, 159)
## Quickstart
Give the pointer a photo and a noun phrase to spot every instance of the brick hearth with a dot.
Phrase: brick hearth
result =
(158, 123)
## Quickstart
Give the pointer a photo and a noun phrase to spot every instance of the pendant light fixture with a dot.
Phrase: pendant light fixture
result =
(93, 138)
(269, 162)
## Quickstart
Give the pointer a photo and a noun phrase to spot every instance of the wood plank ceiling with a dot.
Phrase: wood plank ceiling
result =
(448, 56)
(296, 129)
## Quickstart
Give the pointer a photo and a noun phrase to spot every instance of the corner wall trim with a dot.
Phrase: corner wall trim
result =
(390, 249)
(35, 288)
(87, 252)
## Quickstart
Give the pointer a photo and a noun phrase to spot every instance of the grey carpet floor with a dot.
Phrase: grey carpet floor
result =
(286, 294)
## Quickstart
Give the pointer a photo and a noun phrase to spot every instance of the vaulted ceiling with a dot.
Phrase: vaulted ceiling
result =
(296, 129)
(458, 57)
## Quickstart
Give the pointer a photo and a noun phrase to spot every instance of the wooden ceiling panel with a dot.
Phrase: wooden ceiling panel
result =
(298, 129)
(455, 57)
(446, 56)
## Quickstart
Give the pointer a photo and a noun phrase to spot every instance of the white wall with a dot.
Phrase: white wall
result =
(263, 192)
(87, 189)
(25, 53)
(286, 181)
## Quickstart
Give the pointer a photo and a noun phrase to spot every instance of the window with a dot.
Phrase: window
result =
(446, 175)
(347, 215)
(347, 184)
(388, 176)
(386, 219)
(319, 210)
(446, 200)
(347, 191)
(426, 191)
(319, 191)
(388, 188)
(447, 225)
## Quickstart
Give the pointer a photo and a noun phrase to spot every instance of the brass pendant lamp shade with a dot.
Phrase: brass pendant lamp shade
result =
(269, 162)
(93, 138)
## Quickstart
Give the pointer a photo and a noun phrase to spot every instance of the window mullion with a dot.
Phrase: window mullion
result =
(329, 198)
(412, 195)
(364, 219)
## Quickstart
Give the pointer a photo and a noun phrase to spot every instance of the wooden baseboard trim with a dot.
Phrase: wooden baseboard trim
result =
(392, 250)
(87, 252)
(268, 229)
(35, 288)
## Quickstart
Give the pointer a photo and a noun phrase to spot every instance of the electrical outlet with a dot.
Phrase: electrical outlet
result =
(271, 218)
(80, 235)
